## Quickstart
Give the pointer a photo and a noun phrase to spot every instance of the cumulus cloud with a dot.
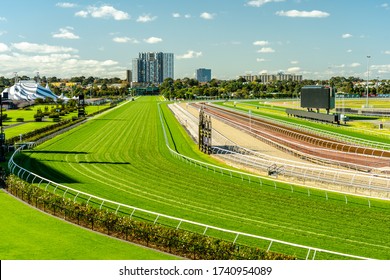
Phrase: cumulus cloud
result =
(153, 40)
(346, 36)
(381, 69)
(190, 54)
(294, 62)
(66, 5)
(258, 3)
(386, 52)
(355, 64)
(178, 15)
(260, 59)
(58, 64)
(207, 16)
(125, 40)
(145, 18)
(266, 50)
(65, 33)
(261, 43)
(105, 11)
(41, 48)
(294, 69)
(303, 14)
(385, 6)
(3, 48)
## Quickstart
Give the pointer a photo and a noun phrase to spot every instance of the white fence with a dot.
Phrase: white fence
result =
(311, 252)
(336, 179)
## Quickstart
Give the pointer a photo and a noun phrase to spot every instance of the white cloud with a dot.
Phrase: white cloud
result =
(260, 59)
(346, 36)
(381, 69)
(177, 15)
(145, 18)
(105, 11)
(125, 40)
(109, 62)
(261, 43)
(386, 52)
(349, 51)
(355, 64)
(65, 33)
(41, 48)
(58, 64)
(258, 3)
(207, 16)
(3, 48)
(66, 5)
(294, 62)
(3, 19)
(385, 6)
(153, 40)
(190, 54)
(266, 50)
(83, 14)
(294, 69)
(303, 14)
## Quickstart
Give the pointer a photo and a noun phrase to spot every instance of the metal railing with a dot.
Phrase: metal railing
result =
(155, 216)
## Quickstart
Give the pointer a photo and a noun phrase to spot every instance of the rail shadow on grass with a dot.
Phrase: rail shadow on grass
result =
(57, 152)
(40, 168)
(105, 162)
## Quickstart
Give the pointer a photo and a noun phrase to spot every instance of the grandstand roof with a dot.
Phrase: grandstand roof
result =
(29, 90)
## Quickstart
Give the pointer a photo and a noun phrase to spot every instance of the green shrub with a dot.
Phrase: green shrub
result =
(176, 241)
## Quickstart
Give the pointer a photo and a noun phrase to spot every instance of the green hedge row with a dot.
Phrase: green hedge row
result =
(175, 241)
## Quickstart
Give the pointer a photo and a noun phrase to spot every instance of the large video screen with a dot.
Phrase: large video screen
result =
(317, 97)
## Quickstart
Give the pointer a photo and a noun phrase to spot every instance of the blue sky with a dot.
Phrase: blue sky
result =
(314, 38)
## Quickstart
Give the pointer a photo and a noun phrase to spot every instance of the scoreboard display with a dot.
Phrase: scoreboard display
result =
(318, 97)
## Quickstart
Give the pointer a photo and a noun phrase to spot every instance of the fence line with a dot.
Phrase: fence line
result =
(373, 185)
(320, 132)
(115, 206)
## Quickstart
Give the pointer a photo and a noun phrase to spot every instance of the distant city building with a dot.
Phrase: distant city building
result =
(203, 75)
(153, 67)
(129, 76)
(267, 78)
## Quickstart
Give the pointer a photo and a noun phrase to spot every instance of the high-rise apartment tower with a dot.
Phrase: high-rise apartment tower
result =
(153, 67)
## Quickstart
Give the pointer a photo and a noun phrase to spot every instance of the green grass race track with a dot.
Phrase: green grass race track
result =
(122, 156)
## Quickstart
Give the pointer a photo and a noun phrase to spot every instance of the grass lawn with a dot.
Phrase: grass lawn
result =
(13, 128)
(122, 156)
(28, 234)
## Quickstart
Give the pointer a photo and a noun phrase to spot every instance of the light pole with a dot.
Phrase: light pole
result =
(368, 76)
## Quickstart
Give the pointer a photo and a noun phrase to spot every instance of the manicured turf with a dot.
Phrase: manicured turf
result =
(30, 234)
(122, 156)
(14, 128)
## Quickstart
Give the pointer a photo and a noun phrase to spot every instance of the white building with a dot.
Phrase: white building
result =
(28, 91)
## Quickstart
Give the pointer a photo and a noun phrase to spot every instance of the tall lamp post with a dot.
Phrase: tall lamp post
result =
(368, 76)
(2, 135)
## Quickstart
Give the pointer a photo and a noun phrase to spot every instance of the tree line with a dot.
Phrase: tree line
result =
(189, 88)
(240, 88)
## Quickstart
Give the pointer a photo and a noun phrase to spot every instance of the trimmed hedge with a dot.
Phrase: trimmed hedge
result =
(175, 241)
